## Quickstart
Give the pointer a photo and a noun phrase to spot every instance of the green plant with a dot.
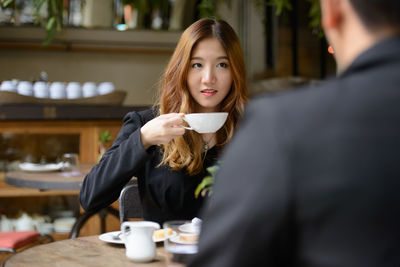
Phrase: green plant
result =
(105, 137)
(315, 16)
(205, 187)
(207, 8)
(281, 6)
(53, 22)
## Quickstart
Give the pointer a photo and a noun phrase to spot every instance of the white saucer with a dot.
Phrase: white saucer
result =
(32, 167)
(111, 237)
(114, 237)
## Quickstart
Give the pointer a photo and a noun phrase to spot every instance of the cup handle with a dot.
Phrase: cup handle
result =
(125, 229)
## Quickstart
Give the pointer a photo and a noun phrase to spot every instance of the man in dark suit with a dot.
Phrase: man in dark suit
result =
(312, 177)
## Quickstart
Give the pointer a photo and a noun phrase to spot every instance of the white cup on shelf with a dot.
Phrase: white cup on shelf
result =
(57, 90)
(89, 89)
(40, 89)
(105, 88)
(25, 88)
(74, 90)
(8, 86)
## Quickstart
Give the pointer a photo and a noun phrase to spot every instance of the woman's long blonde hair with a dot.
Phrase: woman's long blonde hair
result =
(185, 152)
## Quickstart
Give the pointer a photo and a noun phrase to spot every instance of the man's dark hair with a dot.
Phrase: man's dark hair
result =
(376, 14)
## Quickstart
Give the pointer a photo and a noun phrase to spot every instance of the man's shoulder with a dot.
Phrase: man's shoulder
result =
(298, 97)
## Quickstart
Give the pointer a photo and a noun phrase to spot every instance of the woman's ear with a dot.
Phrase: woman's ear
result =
(331, 13)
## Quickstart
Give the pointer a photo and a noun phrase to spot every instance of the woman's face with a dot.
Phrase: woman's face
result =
(210, 77)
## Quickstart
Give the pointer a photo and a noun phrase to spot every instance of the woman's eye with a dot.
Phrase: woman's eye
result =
(196, 65)
(223, 65)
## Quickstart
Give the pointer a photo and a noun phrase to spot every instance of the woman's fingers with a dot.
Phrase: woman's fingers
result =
(162, 129)
(174, 121)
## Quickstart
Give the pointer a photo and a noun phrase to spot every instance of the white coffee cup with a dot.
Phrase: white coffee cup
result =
(205, 122)
(8, 86)
(40, 89)
(25, 88)
(73, 90)
(89, 89)
(57, 90)
(105, 88)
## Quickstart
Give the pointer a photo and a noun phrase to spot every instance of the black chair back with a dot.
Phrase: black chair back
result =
(129, 202)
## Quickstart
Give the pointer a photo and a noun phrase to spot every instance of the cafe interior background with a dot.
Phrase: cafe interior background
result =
(126, 43)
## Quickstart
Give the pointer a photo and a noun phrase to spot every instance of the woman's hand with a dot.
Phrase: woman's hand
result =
(162, 129)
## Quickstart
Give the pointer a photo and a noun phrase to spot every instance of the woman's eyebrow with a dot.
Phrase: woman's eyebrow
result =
(200, 58)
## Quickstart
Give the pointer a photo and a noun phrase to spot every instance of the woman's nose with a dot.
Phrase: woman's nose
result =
(208, 75)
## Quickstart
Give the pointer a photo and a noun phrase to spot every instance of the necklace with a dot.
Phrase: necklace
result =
(206, 144)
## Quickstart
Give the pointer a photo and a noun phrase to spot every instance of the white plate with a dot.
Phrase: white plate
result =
(32, 167)
(177, 239)
(111, 237)
(114, 237)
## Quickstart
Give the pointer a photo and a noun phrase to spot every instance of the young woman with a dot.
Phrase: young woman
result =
(205, 74)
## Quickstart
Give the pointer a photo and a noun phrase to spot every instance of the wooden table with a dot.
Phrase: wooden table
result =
(83, 251)
(48, 180)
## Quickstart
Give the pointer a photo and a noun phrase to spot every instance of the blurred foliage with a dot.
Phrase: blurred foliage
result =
(206, 8)
(315, 16)
(105, 137)
(282, 6)
(54, 20)
(206, 186)
(6, 3)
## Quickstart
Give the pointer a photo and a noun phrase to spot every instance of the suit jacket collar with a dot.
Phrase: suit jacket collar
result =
(383, 52)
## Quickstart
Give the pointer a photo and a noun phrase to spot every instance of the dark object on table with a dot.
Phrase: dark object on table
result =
(13, 241)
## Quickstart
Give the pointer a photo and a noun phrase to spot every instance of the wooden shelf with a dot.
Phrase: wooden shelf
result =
(91, 40)
(15, 192)
(49, 112)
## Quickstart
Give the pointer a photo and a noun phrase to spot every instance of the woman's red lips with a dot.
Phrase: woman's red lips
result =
(209, 92)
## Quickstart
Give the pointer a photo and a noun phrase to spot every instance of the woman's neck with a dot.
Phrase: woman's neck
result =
(200, 109)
